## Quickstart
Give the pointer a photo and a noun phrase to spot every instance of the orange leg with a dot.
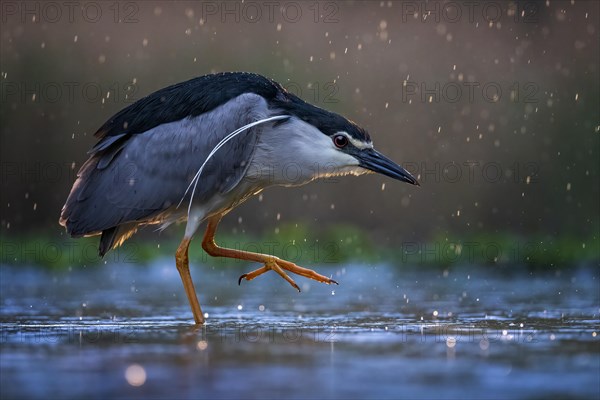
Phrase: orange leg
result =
(182, 261)
(270, 262)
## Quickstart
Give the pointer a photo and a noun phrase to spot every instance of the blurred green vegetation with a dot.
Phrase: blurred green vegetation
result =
(308, 245)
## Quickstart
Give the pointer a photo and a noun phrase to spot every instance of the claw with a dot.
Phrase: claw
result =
(330, 282)
(242, 277)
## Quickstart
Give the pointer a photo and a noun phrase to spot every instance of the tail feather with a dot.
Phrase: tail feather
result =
(115, 236)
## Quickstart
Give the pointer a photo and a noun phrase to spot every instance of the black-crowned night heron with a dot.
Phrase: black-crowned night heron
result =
(195, 150)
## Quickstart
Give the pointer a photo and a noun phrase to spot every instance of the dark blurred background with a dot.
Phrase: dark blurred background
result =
(493, 105)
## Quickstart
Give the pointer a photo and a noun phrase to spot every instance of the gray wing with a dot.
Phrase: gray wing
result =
(134, 178)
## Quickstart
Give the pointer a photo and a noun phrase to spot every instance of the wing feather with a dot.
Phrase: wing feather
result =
(138, 177)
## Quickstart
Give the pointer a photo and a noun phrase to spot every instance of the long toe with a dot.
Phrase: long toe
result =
(305, 272)
(279, 265)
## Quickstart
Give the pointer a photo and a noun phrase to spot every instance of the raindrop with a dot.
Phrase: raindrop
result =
(451, 342)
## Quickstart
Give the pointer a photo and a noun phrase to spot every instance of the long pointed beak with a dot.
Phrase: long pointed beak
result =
(373, 160)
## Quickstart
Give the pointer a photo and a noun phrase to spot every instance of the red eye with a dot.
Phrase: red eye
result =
(340, 141)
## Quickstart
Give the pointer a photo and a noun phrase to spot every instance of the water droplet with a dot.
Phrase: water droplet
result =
(135, 375)
(202, 345)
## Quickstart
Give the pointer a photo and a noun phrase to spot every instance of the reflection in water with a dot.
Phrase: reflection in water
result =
(122, 330)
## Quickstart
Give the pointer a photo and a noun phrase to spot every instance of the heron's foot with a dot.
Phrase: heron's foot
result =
(278, 265)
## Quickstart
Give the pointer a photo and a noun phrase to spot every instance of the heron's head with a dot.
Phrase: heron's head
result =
(334, 144)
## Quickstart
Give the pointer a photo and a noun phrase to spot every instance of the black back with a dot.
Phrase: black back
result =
(185, 99)
(205, 93)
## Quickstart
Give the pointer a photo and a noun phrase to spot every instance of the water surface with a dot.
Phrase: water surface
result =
(386, 332)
